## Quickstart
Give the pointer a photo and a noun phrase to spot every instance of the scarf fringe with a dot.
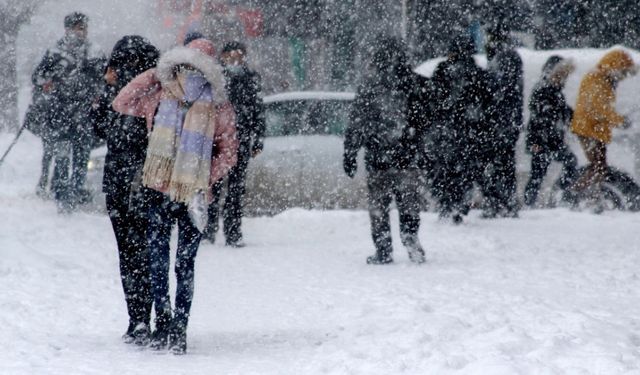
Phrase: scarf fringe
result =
(157, 171)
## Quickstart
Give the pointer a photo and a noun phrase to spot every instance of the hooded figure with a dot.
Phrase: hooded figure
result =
(550, 116)
(383, 121)
(595, 116)
(458, 133)
(126, 138)
(192, 145)
(505, 121)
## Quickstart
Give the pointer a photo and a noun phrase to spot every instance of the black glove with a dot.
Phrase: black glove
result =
(257, 147)
(350, 165)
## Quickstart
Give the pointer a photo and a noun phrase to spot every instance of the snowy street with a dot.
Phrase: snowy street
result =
(554, 292)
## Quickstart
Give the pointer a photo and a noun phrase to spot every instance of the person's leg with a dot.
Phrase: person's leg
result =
(569, 173)
(117, 209)
(213, 212)
(379, 201)
(585, 181)
(408, 202)
(60, 180)
(233, 201)
(539, 164)
(81, 153)
(47, 157)
(158, 237)
(188, 243)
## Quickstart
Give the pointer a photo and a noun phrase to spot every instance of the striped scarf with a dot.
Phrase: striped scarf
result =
(181, 143)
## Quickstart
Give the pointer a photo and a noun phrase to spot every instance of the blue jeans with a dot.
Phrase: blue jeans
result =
(163, 213)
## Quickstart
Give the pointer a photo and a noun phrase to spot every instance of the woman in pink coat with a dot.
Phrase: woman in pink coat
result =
(192, 145)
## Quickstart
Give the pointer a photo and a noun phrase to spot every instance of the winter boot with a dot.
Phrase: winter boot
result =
(178, 340)
(414, 248)
(128, 337)
(380, 258)
(160, 337)
(141, 334)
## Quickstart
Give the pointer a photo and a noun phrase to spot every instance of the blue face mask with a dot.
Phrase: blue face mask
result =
(234, 69)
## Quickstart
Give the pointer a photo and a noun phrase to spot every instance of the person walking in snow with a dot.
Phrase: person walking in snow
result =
(382, 121)
(126, 138)
(192, 145)
(243, 88)
(62, 77)
(462, 97)
(549, 116)
(505, 120)
(595, 116)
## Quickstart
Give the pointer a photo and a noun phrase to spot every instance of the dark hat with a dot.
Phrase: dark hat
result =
(135, 53)
(551, 63)
(191, 36)
(234, 46)
(75, 19)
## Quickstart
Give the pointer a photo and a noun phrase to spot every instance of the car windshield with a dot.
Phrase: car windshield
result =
(307, 117)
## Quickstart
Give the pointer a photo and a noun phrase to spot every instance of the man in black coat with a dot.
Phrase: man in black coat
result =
(67, 79)
(126, 138)
(506, 72)
(243, 89)
(384, 120)
(459, 130)
(550, 115)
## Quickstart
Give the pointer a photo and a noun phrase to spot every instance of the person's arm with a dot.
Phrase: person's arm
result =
(601, 105)
(140, 97)
(258, 116)
(102, 114)
(354, 134)
(225, 141)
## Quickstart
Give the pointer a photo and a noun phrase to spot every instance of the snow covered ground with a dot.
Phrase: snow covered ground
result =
(555, 292)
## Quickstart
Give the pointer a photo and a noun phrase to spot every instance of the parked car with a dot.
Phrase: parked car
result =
(301, 165)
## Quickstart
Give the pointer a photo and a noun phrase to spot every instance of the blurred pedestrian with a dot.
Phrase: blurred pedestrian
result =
(243, 87)
(192, 145)
(126, 138)
(382, 122)
(61, 77)
(462, 97)
(505, 120)
(595, 116)
(550, 115)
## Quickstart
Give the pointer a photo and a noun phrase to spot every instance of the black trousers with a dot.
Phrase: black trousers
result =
(129, 224)
(540, 163)
(452, 183)
(384, 186)
(48, 154)
(232, 209)
(500, 184)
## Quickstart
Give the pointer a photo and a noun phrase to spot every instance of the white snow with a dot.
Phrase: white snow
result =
(554, 292)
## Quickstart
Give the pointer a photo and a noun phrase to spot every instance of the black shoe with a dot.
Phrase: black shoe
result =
(457, 219)
(159, 339)
(128, 337)
(82, 196)
(379, 259)
(141, 334)
(178, 340)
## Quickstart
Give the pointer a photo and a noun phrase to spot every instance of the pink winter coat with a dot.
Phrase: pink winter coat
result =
(141, 97)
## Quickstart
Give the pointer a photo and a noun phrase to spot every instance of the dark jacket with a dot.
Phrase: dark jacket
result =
(506, 72)
(73, 81)
(243, 89)
(126, 136)
(549, 116)
(462, 100)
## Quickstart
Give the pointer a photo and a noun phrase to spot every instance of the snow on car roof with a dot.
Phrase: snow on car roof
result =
(309, 95)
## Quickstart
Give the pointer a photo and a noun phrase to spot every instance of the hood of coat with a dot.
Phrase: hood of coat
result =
(616, 61)
(200, 59)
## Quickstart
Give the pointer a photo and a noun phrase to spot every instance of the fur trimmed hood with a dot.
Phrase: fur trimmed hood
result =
(199, 60)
